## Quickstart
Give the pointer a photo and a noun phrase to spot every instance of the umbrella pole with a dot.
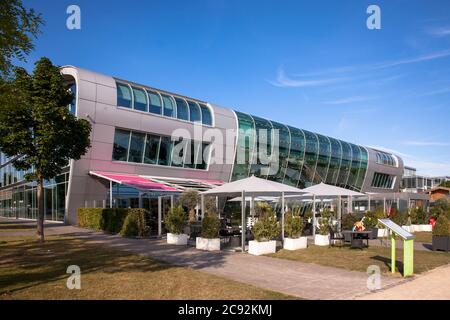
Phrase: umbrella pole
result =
(314, 215)
(282, 215)
(340, 212)
(243, 221)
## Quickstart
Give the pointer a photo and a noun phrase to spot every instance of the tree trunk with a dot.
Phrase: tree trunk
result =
(40, 207)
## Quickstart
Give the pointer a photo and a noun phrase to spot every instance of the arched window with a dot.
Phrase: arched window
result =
(182, 109)
(194, 112)
(123, 95)
(155, 104)
(169, 106)
(206, 115)
(140, 99)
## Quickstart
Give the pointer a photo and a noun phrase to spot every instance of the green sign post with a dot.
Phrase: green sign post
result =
(408, 246)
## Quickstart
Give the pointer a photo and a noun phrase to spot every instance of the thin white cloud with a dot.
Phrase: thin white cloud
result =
(283, 80)
(434, 92)
(349, 100)
(439, 32)
(426, 57)
(426, 143)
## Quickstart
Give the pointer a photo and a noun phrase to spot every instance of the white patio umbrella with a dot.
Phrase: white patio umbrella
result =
(326, 190)
(252, 187)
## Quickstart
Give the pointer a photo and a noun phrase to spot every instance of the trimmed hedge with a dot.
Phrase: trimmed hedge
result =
(91, 218)
(135, 224)
(127, 222)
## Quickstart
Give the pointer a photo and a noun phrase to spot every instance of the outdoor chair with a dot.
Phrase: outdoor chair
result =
(336, 237)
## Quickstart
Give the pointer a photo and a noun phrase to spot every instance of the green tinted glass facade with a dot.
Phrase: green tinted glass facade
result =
(304, 158)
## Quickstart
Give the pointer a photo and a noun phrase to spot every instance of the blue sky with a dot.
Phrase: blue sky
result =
(310, 64)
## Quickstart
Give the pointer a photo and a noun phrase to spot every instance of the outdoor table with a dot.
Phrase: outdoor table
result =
(357, 238)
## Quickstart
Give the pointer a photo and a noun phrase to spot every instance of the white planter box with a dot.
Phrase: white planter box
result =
(258, 248)
(426, 227)
(320, 240)
(207, 244)
(295, 244)
(178, 239)
(410, 229)
(382, 233)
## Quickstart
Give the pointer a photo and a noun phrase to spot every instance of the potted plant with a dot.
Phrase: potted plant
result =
(293, 227)
(175, 221)
(371, 223)
(441, 234)
(209, 240)
(265, 230)
(322, 238)
(419, 220)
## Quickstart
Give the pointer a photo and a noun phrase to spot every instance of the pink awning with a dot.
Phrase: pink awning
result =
(134, 181)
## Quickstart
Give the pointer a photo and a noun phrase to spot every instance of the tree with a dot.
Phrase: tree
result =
(189, 199)
(37, 129)
(18, 27)
(445, 184)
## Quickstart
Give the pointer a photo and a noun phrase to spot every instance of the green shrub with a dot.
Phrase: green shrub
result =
(293, 225)
(175, 220)
(348, 221)
(324, 222)
(114, 218)
(419, 216)
(400, 217)
(91, 218)
(442, 227)
(371, 219)
(210, 226)
(267, 227)
(135, 224)
(128, 222)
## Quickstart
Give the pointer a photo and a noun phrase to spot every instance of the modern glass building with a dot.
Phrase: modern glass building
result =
(149, 143)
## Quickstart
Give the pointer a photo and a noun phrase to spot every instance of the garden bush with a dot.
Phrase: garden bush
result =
(348, 221)
(113, 220)
(175, 220)
(399, 217)
(293, 225)
(91, 218)
(418, 216)
(371, 219)
(134, 224)
(324, 222)
(442, 227)
(267, 227)
(210, 226)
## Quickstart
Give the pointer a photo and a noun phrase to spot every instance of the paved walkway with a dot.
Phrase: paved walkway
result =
(303, 280)
(433, 285)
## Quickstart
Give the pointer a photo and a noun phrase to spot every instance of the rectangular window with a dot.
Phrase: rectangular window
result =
(123, 95)
(136, 147)
(179, 152)
(155, 105)
(151, 149)
(169, 106)
(165, 151)
(121, 143)
(140, 99)
(382, 181)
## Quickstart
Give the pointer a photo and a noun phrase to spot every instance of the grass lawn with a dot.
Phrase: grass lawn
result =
(30, 270)
(359, 260)
(425, 237)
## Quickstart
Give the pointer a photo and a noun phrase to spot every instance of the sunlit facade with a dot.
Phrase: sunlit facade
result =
(132, 136)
